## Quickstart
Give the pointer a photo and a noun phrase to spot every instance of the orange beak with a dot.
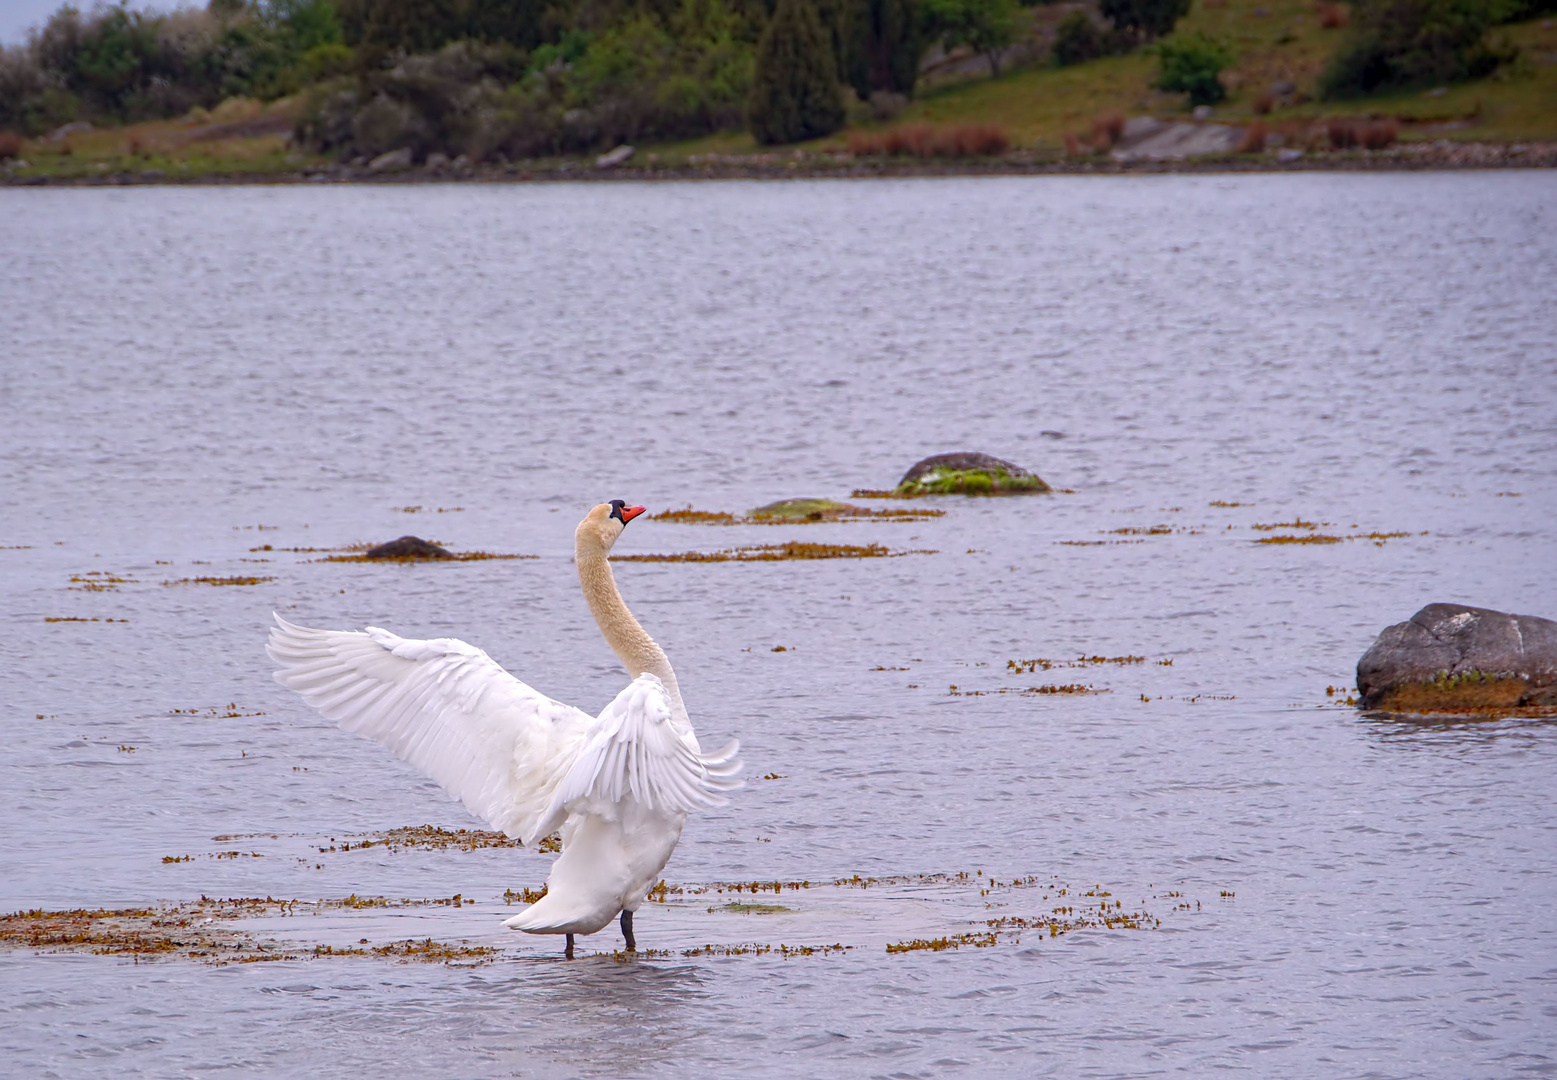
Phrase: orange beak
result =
(630, 512)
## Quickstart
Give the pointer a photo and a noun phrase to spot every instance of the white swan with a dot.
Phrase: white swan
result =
(619, 785)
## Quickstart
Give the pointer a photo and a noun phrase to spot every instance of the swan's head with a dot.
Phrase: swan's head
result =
(597, 533)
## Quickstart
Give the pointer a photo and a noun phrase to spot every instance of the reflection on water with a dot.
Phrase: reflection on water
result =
(197, 381)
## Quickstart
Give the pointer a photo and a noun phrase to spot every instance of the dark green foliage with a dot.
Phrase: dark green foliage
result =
(893, 45)
(795, 93)
(639, 78)
(847, 23)
(1190, 64)
(986, 25)
(1144, 19)
(1397, 43)
(121, 65)
(1078, 39)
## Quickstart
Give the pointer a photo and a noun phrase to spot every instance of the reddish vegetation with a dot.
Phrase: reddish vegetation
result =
(10, 145)
(1072, 145)
(1368, 134)
(1106, 131)
(1264, 104)
(1333, 16)
(922, 140)
(1253, 140)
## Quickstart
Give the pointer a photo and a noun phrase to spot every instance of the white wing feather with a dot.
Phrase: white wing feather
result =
(633, 749)
(495, 744)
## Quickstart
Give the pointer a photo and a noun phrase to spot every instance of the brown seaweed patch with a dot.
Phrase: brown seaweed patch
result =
(1227, 505)
(955, 941)
(785, 951)
(78, 618)
(428, 951)
(230, 711)
(794, 550)
(1467, 692)
(1312, 538)
(98, 581)
(431, 837)
(236, 579)
(1029, 691)
(1042, 664)
(688, 516)
(1296, 523)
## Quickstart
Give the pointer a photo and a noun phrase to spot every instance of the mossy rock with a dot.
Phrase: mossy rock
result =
(967, 473)
(806, 510)
(1452, 657)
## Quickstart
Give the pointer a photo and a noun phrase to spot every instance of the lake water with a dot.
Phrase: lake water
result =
(189, 375)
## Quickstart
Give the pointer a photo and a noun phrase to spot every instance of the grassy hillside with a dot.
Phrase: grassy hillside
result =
(1037, 106)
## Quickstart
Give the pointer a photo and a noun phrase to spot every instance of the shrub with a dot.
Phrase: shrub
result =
(924, 141)
(987, 26)
(1144, 19)
(1333, 16)
(1106, 131)
(1369, 134)
(1398, 43)
(10, 145)
(794, 93)
(1263, 105)
(1253, 139)
(1191, 65)
(1078, 39)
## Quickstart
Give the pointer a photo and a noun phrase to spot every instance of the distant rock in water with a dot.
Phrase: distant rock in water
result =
(1451, 657)
(408, 547)
(807, 510)
(968, 473)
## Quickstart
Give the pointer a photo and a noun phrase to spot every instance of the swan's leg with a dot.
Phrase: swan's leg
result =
(627, 930)
(568, 952)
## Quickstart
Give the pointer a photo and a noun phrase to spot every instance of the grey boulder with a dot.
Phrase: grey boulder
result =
(1449, 657)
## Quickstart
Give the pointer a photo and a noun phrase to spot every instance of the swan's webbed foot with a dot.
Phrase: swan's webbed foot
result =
(627, 931)
(568, 952)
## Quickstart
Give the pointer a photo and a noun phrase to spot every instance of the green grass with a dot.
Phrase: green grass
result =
(1037, 106)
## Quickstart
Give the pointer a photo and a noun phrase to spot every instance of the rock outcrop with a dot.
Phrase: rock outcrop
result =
(1451, 657)
(1145, 138)
(968, 473)
(408, 547)
(806, 510)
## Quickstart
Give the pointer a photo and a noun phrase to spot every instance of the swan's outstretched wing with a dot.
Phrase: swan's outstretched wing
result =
(633, 749)
(495, 744)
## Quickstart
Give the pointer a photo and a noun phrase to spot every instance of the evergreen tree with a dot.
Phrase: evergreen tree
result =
(848, 27)
(893, 45)
(1144, 19)
(795, 93)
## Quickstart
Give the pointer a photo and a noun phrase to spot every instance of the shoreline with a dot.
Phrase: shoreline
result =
(1418, 157)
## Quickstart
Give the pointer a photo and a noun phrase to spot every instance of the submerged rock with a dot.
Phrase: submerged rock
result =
(968, 473)
(408, 547)
(1452, 657)
(807, 510)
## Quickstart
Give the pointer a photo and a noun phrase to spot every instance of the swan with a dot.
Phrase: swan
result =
(618, 785)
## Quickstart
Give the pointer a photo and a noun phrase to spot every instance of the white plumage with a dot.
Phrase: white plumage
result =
(619, 785)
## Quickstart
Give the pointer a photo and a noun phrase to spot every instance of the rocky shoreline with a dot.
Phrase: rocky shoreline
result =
(1408, 157)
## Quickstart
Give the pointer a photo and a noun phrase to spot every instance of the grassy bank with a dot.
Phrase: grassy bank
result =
(1036, 107)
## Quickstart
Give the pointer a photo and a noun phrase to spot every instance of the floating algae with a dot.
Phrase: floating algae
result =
(793, 550)
(795, 512)
(235, 580)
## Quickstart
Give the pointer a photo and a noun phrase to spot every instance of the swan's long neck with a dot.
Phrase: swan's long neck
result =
(632, 644)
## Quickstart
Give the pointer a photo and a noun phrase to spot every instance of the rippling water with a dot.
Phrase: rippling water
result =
(189, 375)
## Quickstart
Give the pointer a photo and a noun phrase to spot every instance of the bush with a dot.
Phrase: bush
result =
(1078, 39)
(987, 26)
(1399, 43)
(794, 93)
(1144, 19)
(10, 145)
(1369, 134)
(1191, 65)
(922, 140)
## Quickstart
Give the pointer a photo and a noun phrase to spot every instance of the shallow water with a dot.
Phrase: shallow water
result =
(192, 374)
